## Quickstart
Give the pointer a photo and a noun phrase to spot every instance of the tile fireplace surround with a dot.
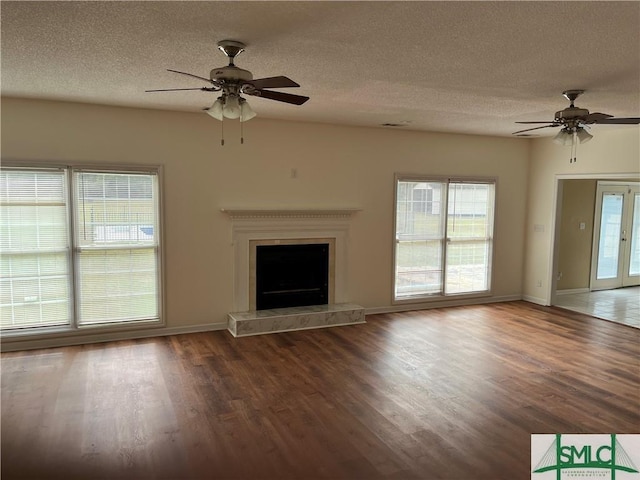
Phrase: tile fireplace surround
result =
(252, 227)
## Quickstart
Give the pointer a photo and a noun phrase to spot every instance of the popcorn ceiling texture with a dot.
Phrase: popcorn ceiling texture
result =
(466, 67)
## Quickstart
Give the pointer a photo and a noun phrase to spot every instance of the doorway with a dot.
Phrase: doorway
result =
(575, 255)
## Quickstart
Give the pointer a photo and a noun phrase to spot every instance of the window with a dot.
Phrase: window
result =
(79, 247)
(35, 247)
(444, 233)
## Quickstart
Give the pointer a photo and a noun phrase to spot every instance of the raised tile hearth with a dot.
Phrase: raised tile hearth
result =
(242, 324)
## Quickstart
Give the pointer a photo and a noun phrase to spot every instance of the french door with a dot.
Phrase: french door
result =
(616, 242)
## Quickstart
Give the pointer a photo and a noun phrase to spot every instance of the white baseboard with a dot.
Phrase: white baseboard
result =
(30, 343)
(571, 291)
(407, 307)
(539, 301)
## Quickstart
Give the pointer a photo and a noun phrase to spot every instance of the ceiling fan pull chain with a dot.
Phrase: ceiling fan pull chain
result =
(574, 146)
(241, 133)
(222, 132)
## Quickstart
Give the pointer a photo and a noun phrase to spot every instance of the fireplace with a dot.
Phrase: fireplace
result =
(292, 275)
(317, 285)
(252, 228)
(291, 272)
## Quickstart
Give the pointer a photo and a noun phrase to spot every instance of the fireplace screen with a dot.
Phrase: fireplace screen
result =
(292, 275)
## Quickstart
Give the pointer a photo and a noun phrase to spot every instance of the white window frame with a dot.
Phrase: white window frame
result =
(439, 297)
(73, 328)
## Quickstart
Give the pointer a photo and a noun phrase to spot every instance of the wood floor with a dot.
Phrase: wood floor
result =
(440, 394)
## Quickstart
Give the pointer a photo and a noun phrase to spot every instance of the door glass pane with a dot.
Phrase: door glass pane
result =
(634, 238)
(609, 246)
(419, 238)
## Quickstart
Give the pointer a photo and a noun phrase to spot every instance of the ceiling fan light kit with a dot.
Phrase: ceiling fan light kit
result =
(217, 109)
(565, 136)
(583, 135)
(246, 112)
(233, 82)
(575, 122)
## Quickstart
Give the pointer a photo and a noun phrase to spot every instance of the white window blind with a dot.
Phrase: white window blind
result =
(444, 235)
(469, 237)
(78, 247)
(116, 220)
(34, 242)
(420, 235)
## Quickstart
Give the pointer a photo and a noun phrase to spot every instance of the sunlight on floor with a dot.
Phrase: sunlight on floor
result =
(620, 305)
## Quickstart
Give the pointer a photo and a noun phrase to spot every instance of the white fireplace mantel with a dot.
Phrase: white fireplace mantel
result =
(258, 224)
(266, 213)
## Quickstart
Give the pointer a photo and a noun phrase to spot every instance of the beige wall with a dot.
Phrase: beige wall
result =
(614, 152)
(574, 256)
(336, 167)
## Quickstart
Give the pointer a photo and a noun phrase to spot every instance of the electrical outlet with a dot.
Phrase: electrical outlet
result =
(539, 283)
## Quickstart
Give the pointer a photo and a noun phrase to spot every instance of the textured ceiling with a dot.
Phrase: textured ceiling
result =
(469, 67)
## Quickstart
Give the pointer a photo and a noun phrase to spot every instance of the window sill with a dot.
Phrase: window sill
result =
(47, 337)
(439, 298)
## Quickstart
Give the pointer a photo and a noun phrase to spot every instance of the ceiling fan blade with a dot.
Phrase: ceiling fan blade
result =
(177, 89)
(545, 121)
(272, 82)
(281, 97)
(596, 117)
(208, 80)
(535, 128)
(619, 121)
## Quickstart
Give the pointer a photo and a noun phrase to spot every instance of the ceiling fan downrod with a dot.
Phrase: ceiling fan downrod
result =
(571, 95)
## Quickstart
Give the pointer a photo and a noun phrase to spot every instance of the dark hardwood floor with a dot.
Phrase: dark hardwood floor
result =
(439, 394)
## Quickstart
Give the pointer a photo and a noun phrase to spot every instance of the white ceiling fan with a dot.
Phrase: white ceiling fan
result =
(575, 122)
(233, 82)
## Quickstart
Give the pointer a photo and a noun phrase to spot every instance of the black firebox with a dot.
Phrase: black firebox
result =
(292, 275)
